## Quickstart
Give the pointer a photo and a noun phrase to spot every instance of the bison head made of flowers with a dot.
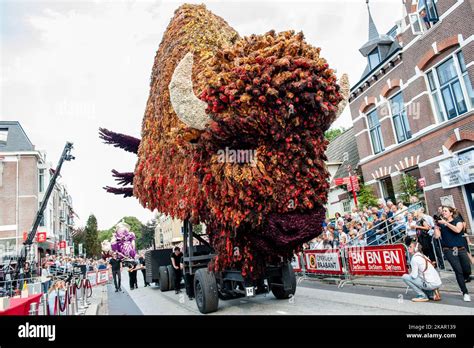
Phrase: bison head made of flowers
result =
(233, 136)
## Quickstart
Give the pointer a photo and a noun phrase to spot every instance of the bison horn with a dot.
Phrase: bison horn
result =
(345, 90)
(188, 108)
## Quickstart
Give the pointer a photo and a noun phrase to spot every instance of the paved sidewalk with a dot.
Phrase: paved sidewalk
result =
(98, 300)
(448, 279)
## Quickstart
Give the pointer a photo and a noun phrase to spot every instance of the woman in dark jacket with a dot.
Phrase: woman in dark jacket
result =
(451, 230)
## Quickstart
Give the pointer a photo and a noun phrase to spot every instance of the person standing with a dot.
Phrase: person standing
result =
(45, 278)
(450, 230)
(141, 261)
(425, 233)
(132, 273)
(176, 262)
(116, 266)
(410, 228)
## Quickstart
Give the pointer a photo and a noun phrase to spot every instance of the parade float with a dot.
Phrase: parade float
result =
(233, 137)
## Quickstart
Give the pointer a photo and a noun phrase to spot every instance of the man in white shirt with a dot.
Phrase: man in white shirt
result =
(423, 278)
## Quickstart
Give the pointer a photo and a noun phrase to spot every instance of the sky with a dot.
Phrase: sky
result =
(69, 67)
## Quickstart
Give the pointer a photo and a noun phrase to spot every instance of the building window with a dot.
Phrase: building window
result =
(414, 172)
(465, 77)
(346, 205)
(415, 22)
(449, 85)
(374, 58)
(3, 136)
(425, 16)
(388, 192)
(431, 11)
(375, 132)
(433, 89)
(41, 180)
(400, 120)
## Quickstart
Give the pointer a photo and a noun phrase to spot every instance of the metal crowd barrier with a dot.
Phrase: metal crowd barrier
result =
(343, 274)
(74, 300)
(10, 287)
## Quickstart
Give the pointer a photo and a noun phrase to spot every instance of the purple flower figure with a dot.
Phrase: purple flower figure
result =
(123, 241)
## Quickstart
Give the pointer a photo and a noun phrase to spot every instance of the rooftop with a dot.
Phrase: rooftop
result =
(13, 138)
(343, 149)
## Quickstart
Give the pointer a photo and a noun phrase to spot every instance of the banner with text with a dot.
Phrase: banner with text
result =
(383, 260)
(457, 170)
(102, 276)
(92, 276)
(323, 261)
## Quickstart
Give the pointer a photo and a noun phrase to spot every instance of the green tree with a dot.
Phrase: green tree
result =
(332, 134)
(148, 235)
(366, 196)
(105, 234)
(407, 187)
(79, 238)
(92, 244)
(135, 226)
(197, 229)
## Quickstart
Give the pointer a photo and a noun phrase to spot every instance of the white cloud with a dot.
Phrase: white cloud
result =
(84, 65)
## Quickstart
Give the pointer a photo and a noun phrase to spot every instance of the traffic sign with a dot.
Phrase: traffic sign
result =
(41, 237)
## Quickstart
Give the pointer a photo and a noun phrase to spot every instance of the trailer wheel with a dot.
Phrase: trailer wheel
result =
(205, 291)
(288, 278)
(170, 277)
(164, 279)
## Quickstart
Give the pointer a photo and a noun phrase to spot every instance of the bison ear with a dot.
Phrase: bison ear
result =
(344, 91)
(189, 108)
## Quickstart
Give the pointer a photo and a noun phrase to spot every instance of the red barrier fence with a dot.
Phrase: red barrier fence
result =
(382, 260)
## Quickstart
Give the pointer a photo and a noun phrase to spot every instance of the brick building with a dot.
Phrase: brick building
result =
(342, 160)
(24, 177)
(413, 107)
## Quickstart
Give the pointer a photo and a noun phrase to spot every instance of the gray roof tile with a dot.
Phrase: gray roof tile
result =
(17, 140)
(343, 149)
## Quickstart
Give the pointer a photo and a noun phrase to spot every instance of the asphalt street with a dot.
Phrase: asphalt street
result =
(312, 297)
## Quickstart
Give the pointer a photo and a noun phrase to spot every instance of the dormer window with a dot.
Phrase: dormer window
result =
(3, 136)
(374, 58)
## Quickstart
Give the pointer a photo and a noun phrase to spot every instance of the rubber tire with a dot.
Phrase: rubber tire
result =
(170, 277)
(205, 291)
(164, 279)
(279, 292)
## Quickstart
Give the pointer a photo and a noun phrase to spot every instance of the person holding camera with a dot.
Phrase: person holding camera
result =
(423, 278)
(425, 225)
(451, 229)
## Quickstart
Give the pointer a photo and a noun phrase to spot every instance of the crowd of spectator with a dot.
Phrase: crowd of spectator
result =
(386, 223)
